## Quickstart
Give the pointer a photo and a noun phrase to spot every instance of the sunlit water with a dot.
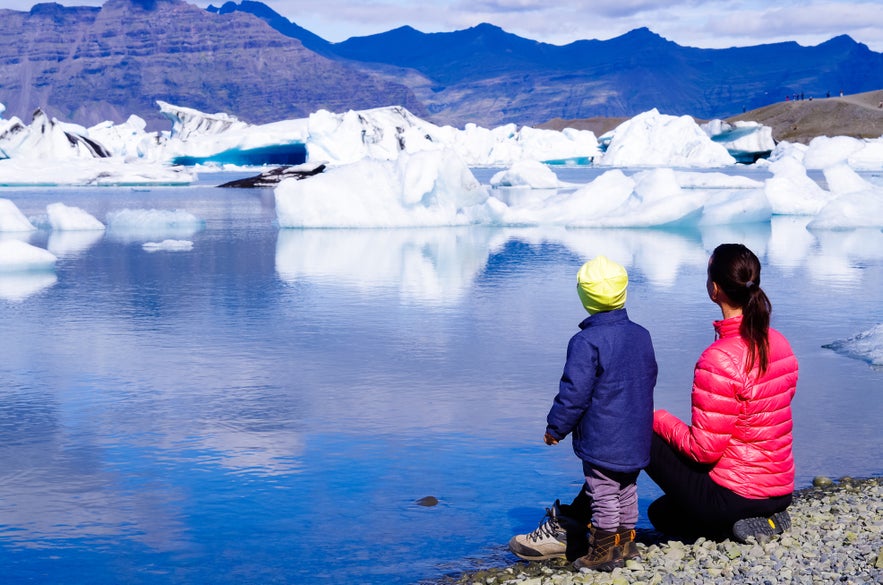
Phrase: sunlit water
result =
(269, 406)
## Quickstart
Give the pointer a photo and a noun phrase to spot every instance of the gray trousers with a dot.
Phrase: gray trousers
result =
(614, 497)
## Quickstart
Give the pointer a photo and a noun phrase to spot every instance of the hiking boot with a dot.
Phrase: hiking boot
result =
(548, 541)
(604, 551)
(628, 548)
(761, 528)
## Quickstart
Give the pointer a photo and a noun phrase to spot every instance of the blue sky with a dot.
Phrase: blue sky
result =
(696, 23)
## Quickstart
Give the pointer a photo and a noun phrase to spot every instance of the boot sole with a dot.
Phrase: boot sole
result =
(761, 527)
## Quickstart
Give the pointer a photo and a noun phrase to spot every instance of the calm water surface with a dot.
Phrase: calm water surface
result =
(269, 406)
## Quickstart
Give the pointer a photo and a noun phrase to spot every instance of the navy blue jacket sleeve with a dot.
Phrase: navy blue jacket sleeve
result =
(575, 388)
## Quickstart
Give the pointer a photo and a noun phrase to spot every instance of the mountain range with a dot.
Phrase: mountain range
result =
(89, 64)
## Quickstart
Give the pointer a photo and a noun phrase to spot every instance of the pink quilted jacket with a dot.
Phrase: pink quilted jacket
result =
(741, 422)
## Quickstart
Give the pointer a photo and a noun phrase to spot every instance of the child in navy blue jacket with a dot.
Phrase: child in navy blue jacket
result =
(605, 400)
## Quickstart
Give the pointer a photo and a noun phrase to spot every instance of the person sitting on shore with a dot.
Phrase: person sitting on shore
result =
(605, 399)
(731, 471)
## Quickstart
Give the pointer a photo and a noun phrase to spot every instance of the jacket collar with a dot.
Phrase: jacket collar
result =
(728, 327)
(605, 318)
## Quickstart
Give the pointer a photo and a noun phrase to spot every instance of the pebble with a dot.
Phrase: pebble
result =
(835, 537)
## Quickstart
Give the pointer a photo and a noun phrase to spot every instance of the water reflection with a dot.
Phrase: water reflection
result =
(440, 265)
(429, 265)
(65, 244)
(19, 286)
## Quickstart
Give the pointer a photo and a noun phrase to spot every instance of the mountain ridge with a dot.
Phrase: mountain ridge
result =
(247, 60)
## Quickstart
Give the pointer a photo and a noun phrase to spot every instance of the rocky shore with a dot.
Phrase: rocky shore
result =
(836, 537)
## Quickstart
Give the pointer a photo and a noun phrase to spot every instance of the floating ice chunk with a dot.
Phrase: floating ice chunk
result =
(824, 151)
(791, 192)
(17, 256)
(654, 139)
(858, 203)
(128, 140)
(152, 224)
(527, 173)
(745, 141)
(550, 146)
(218, 139)
(65, 218)
(187, 122)
(870, 157)
(430, 188)
(728, 207)
(714, 180)
(866, 346)
(12, 219)
(842, 179)
(168, 246)
(852, 210)
(48, 139)
(98, 172)
(380, 133)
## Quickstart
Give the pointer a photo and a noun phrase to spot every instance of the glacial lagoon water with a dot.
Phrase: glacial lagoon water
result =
(270, 406)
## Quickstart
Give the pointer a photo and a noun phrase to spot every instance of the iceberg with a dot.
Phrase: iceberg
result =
(866, 346)
(110, 172)
(145, 225)
(429, 188)
(66, 218)
(654, 139)
(857, 203)
(47, 139)
(17, 256)
(221, 139)
(747, 142)
(527, 173)
(12, 219)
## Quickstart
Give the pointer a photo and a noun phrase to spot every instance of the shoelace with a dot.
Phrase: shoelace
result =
(546, 528)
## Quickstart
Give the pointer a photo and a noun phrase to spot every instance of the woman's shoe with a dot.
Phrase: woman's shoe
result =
(761, 528)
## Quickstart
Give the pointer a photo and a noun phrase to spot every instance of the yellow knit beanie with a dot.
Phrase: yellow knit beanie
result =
(601, 285)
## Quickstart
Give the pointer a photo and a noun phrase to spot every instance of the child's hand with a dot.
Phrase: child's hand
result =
(549, 439)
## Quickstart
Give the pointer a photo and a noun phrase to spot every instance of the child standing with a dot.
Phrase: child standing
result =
(605, 400)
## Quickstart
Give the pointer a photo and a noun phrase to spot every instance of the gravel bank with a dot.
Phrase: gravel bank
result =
(836, 537)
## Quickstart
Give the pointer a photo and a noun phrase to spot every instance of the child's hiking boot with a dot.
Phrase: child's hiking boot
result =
(548, 541)
(627, 546)
(761, 528)
(604, 551)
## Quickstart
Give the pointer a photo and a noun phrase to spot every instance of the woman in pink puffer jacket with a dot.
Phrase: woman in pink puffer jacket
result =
(731, 471)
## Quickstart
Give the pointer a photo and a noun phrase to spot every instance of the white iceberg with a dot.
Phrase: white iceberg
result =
(791, 192)
(430, 188)
(745, 141)
(66, 218)
(12, 219)
(17, 256)
(654, 139)
(527, 173)
(145, 225)
(866, 346)
(857, 204)
(112, 172)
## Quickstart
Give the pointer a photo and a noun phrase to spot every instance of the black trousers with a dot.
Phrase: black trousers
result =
(693, 504)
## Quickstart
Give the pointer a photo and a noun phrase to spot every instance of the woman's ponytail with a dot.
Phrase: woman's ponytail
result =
(736, 270)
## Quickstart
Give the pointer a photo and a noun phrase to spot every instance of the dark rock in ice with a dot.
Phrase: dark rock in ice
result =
(272, 177)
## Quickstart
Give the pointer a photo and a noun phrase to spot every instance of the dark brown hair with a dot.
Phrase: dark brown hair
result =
(736, 270)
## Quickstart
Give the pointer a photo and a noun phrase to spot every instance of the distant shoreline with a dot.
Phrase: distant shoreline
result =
(857, 116)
